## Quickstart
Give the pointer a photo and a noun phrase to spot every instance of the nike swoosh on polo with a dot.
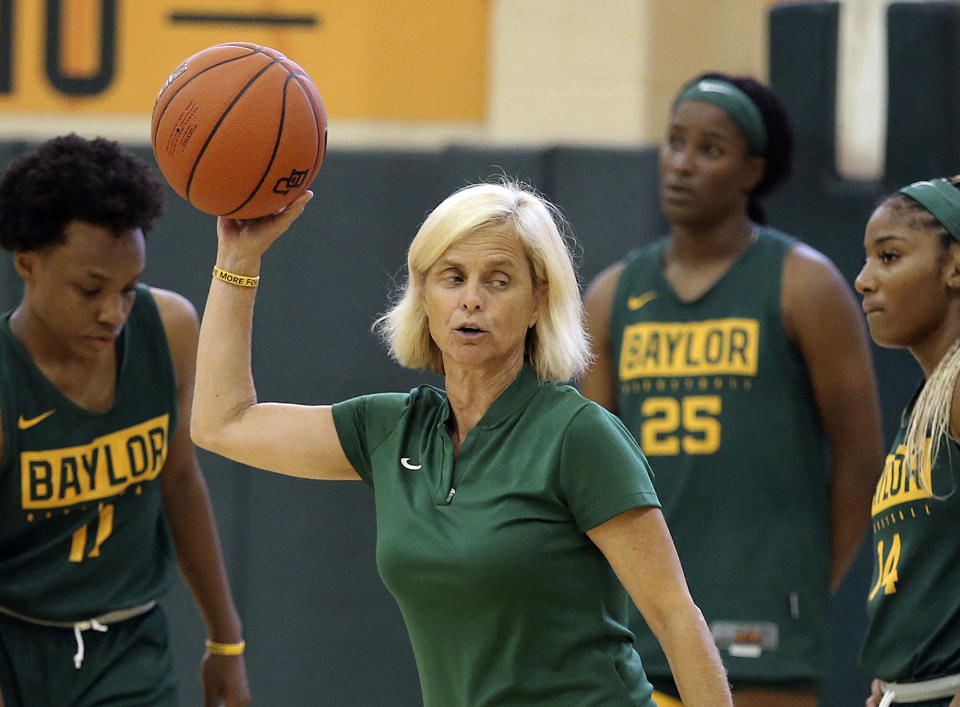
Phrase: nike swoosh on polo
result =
(407, 465)
(25, 424)
(635, 303)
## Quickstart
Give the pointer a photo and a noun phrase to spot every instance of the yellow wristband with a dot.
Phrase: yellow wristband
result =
(214, 648)
(241, 280)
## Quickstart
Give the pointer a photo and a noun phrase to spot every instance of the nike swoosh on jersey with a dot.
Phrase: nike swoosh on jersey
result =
(635, 303)
(407, 465)
(25, 424)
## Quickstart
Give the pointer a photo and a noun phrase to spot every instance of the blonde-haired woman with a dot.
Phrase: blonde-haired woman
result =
(507, 505)
(910, 284)
(556, 347)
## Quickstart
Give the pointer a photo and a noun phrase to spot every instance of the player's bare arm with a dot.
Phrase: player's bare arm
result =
(822, 317)
(600, 382)
(190, 514)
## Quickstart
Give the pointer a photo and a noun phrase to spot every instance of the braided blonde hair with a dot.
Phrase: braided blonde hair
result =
(930, 417)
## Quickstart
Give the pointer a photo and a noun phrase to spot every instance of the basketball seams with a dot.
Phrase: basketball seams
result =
(276, 147)
(321, 138)
(223, 115)
(187, 82)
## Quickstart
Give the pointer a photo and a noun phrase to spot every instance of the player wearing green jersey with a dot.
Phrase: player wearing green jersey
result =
(99, 484)
(910, 284)
(736, 357)
(509, 508)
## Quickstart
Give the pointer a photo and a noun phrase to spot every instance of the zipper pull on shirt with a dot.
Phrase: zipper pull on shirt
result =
(451, 494)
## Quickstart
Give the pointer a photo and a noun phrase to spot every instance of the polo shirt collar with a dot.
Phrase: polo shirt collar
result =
(513, 399)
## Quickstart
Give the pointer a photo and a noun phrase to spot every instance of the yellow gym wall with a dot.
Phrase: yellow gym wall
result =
(606, 71)
(415, 72)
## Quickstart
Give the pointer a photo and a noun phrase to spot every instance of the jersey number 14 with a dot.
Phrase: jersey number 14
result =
(887, 568)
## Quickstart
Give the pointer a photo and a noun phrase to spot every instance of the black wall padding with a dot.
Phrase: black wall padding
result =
(803, 73)
(923, 112)
(610, 197)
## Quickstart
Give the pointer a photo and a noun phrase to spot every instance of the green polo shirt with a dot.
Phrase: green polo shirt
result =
(506, 599)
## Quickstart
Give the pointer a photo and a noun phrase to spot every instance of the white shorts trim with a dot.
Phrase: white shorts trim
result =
(907, 692)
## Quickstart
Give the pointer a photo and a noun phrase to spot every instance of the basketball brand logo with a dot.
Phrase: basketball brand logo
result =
(285, 184)
(173, 77)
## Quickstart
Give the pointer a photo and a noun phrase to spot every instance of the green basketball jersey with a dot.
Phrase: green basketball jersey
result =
(914, 596)
(506, 599)
(721, 404)
(82, 529)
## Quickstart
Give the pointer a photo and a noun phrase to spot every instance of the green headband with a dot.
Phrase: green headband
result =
(941, 199)
(736, 104)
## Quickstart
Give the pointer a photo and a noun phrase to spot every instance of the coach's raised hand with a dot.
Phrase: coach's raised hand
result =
(241, 243)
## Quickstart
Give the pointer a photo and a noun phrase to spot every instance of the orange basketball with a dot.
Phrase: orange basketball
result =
(239, 130)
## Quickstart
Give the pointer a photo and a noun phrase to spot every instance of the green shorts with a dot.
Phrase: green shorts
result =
(128, 665)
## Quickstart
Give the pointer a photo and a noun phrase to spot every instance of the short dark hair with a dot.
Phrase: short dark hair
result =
(779, 151)
(70, 178)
